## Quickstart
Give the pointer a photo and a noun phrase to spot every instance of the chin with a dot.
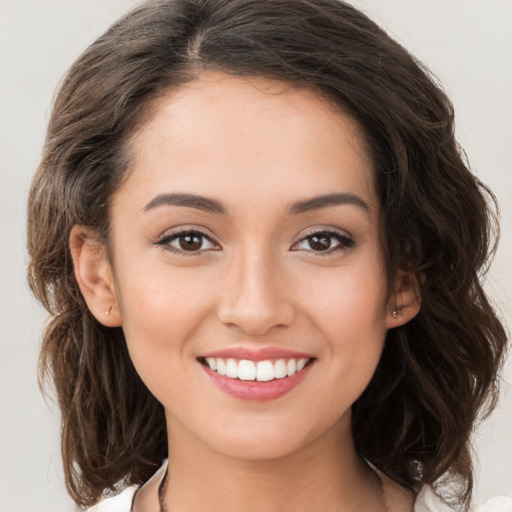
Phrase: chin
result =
(263, 442)
(260, 451)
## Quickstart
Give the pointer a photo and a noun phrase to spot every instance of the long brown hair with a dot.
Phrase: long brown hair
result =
(437, 374)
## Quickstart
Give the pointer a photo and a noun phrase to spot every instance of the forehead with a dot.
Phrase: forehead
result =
(249, 136)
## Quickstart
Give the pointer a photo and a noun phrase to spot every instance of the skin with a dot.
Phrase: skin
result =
(256, 281)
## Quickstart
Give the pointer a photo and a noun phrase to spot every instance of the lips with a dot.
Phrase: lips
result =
(256, 375)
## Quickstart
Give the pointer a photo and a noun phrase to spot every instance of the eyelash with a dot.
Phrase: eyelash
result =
(346, 242)
(165, 241)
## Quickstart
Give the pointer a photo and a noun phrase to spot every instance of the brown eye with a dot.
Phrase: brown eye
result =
(325, 242)
(187, 242)
(190, 242)
(320, 242)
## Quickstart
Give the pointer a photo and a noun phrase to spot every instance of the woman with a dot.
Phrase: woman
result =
(263, 251)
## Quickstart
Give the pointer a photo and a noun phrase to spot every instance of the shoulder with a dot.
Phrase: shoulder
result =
(428, 501)
(123, 502)
(120, 503)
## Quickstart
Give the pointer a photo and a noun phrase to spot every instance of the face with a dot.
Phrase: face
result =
(246, 240)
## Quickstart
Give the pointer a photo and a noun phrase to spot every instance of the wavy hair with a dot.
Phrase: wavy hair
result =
(438, 373)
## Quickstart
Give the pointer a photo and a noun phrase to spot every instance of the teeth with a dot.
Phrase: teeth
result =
(280, 369)
(221, 367)
(261, 371)
(264, 371)
(301, 364)
(246, 370)
(291, 367)
(232, 369)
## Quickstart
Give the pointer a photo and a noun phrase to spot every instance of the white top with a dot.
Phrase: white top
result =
(396, 499)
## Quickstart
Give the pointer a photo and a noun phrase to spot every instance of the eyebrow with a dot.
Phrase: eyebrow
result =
(189, 200)
(323, 201)
(211, 205)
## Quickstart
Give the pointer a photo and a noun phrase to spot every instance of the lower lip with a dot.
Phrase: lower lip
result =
(255, 391)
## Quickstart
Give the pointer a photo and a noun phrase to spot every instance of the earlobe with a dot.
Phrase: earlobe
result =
(94, 276)
(405, 302)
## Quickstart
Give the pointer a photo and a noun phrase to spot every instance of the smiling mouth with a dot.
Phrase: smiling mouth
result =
(260, 371)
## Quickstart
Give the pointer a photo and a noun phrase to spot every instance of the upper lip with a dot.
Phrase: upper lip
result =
(260, 354)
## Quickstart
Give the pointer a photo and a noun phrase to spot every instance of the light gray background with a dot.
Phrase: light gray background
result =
(467, 43)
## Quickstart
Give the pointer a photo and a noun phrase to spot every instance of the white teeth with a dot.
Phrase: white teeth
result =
(280, 369)
(232, 369)
(221, 367)
(291, 367)
(261, 371)
(301, 363)
(264, 371)
(246, 370)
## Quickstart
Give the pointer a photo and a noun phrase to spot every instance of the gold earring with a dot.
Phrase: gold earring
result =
(108, 311)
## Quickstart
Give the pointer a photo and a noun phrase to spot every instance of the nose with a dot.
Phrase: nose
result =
(255, 295)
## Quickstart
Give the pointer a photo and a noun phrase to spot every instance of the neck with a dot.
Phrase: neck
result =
(327, 474)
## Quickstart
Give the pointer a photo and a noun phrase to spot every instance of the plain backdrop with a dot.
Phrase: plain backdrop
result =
(466, 43)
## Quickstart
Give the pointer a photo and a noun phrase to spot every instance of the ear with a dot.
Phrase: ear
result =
(94, 275)
(404, 303)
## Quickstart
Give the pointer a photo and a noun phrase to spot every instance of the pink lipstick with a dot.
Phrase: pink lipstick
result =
(256, 375)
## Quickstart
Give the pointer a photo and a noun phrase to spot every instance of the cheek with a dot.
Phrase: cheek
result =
(350, 303)
(161, 310)
(159, 296)
(350, 312)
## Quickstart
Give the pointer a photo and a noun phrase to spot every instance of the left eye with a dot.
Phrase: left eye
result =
(322, 242)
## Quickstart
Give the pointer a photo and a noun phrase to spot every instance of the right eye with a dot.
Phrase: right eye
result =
(186, 242)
